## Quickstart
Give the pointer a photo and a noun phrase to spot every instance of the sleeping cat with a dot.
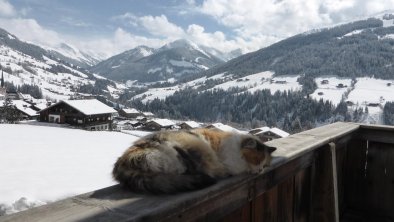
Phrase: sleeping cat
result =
(176, 161)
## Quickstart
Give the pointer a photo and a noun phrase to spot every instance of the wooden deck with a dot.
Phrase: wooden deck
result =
(339, 172)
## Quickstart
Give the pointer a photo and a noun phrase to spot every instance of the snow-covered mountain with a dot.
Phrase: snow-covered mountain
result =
(122, 59)
(25, 63)
(178, 59)
(73, 55)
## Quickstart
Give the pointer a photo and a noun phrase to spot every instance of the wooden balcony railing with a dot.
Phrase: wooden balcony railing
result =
(338, 172)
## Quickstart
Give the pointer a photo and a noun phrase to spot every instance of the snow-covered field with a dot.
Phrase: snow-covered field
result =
(370, 90)
(330, 91)
(366, 90)
(44, 164)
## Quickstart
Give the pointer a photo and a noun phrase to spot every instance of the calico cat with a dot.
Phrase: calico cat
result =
(177, 161)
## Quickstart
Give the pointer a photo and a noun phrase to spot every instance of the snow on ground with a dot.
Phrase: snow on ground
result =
(263, 80)
(44, 164)
(280, 83)
(162, 93)
(330, 91)
(159, 93)
(370, 90)
(247, 81)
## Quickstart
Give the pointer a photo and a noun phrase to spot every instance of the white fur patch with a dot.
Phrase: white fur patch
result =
(231, 156)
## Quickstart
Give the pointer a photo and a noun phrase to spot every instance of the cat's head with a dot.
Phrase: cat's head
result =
(256, 153)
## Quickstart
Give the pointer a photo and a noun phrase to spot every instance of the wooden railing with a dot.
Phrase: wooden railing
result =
(338, 172)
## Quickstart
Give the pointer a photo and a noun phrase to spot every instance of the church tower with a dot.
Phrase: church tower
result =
(3, 90)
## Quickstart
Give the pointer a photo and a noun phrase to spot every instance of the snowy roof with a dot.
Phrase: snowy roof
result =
(88, 106)
(22, 106)
(163, 122)
(26, 96)
(148, 114)
(275, 131)
(259, 130)
(224, 127)
(192, 124)
(41, 106)
(279, 132)
(130, 110)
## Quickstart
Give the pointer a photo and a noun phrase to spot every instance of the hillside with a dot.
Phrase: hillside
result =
(361, 48)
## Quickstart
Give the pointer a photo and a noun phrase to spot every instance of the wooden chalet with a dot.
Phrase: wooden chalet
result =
(159, 124)
(223, 127)
(129, 113)
(342, 172)
(267, 134)
(148, 114)
(189, 125)
(89, 114)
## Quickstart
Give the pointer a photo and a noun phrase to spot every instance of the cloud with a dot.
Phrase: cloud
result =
(262, 21)
(160, 26)
(29, 30)
(6, 9)
(119, 42)
(155, 25)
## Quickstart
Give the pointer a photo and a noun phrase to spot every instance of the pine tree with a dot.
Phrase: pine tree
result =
(9, 113)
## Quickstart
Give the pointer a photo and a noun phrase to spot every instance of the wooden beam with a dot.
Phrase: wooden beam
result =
(325, 190)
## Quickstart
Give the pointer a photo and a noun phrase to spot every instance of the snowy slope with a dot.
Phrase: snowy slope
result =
(45, 164)
(252, 83)
(20, 68)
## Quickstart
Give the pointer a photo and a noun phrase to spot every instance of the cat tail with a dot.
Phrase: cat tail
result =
(159, 183)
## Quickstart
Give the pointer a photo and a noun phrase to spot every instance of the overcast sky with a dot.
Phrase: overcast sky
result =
(113, 26)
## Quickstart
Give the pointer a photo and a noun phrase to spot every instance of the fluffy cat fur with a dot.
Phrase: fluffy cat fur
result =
(177, 161)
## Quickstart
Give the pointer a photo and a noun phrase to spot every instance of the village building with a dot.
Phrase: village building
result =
(129, 113)
(127, 125)
(223, 127)
(89, 114)
(159, 124)
(24, 110)
(267, 134)
(148, 115)
(189, 125)
(324, 81)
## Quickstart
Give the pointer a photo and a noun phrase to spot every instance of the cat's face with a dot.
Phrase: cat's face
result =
(256, 153)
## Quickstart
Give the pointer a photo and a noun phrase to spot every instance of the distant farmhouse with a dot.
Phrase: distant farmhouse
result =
(223, 127)
(129, 113)
(148, 114)
(267, 134)
(89, 114)
(189, 125)
(159, 124)
(24, 110)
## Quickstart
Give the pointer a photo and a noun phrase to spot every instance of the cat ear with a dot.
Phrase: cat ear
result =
(249, 143)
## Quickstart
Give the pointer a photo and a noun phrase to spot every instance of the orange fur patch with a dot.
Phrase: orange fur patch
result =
(253, 156)
(213, 136)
